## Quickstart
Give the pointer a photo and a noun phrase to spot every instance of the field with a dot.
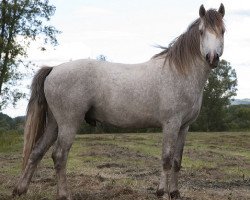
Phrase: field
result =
(216, 166)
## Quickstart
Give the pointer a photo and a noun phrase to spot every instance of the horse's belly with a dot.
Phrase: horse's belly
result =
(126, 118)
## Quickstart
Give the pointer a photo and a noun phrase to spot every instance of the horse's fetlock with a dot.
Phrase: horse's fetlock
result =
(175, 194)
(160, 192)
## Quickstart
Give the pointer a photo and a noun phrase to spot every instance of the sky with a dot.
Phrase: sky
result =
(126, 31)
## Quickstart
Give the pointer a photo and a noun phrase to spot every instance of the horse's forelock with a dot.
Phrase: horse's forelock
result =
(213, 20)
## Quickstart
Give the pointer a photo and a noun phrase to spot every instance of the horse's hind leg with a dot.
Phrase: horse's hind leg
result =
(44, 143)
(66, 134)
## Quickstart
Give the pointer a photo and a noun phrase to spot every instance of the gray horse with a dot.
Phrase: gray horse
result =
(164, 92)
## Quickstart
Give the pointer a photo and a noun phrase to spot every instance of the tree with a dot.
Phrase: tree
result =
(219, 89)
(6, 122)
(101, 57)
(21, 21)
(238, 118)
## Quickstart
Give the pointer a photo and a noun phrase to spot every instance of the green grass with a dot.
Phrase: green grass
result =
(10, 141)
(130, 164)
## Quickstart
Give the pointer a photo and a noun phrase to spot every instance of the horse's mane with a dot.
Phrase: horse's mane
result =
(184, 50)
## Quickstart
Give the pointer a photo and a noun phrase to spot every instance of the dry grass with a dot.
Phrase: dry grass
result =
(127, 166)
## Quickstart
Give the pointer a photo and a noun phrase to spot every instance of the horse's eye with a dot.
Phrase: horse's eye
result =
(201, 32)
(223, 31)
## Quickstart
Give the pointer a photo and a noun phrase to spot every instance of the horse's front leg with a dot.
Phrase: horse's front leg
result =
(170, 134)
(173, 184)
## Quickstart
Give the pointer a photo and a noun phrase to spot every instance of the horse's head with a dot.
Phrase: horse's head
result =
(211, 29)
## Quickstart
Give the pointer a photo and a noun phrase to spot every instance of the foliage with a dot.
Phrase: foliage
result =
(219, 89)
(7, 123)
(238, 118)
(21, 22)
(101, 57)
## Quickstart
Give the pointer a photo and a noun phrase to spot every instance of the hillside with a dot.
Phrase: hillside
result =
(240, 101)
(8, 123)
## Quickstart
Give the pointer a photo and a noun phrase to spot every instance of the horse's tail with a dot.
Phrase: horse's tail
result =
(36, 113)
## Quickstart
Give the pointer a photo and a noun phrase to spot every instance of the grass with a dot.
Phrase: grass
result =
(127, 166)
(10, 141)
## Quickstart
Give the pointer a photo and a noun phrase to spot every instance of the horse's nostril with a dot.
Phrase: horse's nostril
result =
(207, 57)
(217, 55)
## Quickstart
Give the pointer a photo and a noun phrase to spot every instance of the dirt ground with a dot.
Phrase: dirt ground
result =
(216, 166)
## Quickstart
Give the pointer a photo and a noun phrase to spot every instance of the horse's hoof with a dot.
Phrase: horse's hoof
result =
(175, 195)
(160, 192)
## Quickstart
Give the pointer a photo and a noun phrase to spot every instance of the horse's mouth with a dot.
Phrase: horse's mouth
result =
(214, 63)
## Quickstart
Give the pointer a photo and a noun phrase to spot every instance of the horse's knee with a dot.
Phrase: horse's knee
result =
(166, 162)
(176, 165)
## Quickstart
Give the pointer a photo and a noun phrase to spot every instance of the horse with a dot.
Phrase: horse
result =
(166, 91)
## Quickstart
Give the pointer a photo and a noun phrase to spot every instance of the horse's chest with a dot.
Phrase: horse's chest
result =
(192, 112)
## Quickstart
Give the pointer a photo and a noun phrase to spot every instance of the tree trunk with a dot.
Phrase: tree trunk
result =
(4, 61)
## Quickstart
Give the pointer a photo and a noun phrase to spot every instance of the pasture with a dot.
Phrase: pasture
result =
(127, 166)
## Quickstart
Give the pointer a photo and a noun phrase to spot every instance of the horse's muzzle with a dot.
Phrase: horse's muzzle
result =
(212, 59)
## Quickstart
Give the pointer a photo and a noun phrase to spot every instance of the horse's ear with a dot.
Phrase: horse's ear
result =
(222, 10)
(202, 11)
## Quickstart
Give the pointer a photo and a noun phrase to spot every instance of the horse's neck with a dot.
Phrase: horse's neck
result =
(198, 76)
(194, 79)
